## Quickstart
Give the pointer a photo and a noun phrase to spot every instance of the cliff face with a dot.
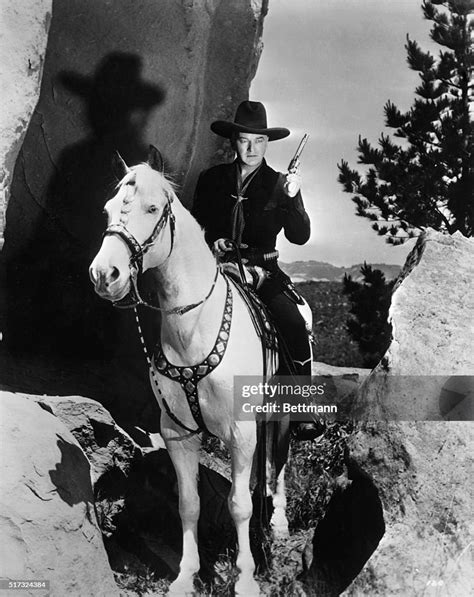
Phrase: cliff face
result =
(118, 75)
(22, 50)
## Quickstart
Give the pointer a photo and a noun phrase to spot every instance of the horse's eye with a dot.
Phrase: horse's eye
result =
(152, 209)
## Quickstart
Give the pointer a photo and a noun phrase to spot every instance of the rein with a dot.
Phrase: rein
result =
(137, 299)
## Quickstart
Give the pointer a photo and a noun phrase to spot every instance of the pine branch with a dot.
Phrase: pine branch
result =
(399, 240)
(423, 182)
(449, 83)
(416, 58)
(367, 154)
(429, 11)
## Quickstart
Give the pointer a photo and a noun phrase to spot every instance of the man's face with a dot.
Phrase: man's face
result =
(250, 148)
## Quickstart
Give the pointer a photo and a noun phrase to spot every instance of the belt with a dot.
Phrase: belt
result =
(259, 255)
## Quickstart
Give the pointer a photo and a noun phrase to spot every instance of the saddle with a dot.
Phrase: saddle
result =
(262, 322)
(246, 281)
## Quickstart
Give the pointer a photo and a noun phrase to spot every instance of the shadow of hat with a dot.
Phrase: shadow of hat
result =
(116, 82)
(250, 117)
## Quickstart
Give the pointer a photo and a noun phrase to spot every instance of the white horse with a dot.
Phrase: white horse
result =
(207, 338)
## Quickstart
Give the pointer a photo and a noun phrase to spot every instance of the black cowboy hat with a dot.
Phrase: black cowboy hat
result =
(116, 81)
(250, 117)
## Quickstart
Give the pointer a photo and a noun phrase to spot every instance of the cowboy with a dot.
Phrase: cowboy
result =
(249, 203)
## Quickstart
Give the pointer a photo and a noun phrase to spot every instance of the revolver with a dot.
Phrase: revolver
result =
(295, 160)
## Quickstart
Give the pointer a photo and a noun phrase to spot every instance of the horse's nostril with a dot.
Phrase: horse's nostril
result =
(115, 273)
(92, 274)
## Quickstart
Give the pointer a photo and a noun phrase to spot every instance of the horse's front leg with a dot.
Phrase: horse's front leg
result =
(242, 448)
(184, 453)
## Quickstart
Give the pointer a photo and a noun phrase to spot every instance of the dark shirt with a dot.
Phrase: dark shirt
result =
(267, 209)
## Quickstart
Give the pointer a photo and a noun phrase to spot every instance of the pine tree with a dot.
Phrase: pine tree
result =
(428, 179)
(368, 324)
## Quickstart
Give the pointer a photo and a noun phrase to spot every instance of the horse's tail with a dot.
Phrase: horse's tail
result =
(262, 506)
(271, 455)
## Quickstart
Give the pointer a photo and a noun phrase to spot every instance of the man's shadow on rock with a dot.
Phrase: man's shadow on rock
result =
(69, 318)
(71, 477)
(51, 307)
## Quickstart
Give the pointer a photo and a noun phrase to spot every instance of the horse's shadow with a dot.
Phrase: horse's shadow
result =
(147, 529)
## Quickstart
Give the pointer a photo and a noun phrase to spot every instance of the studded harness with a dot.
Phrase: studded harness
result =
(189, 376)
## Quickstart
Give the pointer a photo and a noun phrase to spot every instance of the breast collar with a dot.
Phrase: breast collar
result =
(189, 376)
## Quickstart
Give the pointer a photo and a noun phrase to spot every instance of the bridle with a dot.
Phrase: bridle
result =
(137, 251)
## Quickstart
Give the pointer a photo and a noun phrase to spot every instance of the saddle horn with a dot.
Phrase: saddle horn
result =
(155, 159)
(119, 166)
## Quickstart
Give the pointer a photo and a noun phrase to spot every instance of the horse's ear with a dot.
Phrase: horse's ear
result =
(155, 159)
(119, 166)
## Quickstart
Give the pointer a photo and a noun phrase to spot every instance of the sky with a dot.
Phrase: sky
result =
(327, 68)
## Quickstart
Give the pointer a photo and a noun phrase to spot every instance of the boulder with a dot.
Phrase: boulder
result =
(22, 50)
(408, 470)
(431, 303)
(355, 373)
(341, 385)
(430, 357)
(49, 528)
(111, 452)
(109, 449)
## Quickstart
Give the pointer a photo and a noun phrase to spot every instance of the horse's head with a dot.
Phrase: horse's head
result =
(140, 227)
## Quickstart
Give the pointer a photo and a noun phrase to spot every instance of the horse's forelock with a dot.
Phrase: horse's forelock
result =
(149, 182)
(166, 186)
(125, 179)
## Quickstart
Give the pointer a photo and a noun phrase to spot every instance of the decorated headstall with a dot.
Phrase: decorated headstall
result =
(137, 250)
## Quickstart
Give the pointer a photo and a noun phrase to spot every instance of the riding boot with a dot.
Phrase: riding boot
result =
(311, 429)
(297, 351)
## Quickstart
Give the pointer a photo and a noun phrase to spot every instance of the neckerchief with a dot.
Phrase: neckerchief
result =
(238, 220)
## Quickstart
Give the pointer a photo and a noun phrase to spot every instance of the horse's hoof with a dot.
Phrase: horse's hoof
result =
(181, 589)
(280, 532)
(247, 588)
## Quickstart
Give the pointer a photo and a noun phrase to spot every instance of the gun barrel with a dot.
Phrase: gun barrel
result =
(299, 151)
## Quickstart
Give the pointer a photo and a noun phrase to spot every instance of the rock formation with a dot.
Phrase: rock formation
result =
(117, 76)
(48, 524)
(417, 470)
(431, 305)
(22, 50)
(108, 448)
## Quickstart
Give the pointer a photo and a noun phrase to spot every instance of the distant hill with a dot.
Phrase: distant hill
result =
(306, 271)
